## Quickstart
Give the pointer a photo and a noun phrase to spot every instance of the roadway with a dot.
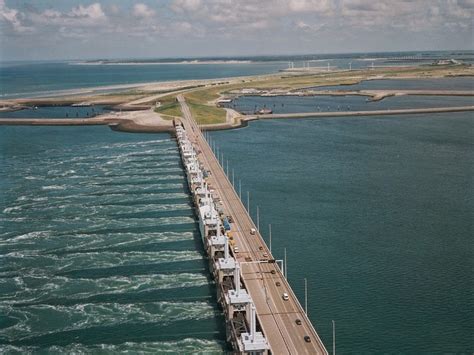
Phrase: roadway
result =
(276, 316)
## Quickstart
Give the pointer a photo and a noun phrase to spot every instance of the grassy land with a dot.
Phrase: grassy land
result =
(169, 108)
(203, 111)
(205, 114)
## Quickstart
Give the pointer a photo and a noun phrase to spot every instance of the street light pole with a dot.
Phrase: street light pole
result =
(306, 296)
(258, 219)
(333, 338)
(270, 236)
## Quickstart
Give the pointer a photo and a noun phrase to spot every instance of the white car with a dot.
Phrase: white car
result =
(252, 231)
(236, 249)
(285, 296)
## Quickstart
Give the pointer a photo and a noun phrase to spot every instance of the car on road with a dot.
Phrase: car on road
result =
(298, 321)
(307, 339)
(285, 296)
(236, 249)
(252, 231)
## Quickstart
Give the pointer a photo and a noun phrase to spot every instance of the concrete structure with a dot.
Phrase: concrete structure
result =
(250, 284)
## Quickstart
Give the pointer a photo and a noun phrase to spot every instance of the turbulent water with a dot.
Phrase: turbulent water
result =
(99, 248)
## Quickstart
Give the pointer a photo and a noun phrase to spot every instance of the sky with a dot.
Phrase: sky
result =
(81, 29)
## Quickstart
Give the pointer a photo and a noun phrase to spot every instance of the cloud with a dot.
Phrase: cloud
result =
(13, 18)
(93, 12)
(143, 11)
(259, 25)
(310, 28)
(308, 5)
(186, 5)
(79, 16)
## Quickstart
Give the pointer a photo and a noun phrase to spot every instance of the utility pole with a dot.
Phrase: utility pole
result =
(270, 236)
(306, 296)
(258, 219)
(333, 338)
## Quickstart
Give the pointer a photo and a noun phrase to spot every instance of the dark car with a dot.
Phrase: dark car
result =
(307, 339)
(298, 321)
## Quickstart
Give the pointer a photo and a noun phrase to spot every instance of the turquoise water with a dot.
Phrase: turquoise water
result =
(288, 104)
(377, 214)
(56, 112)
(99, 247)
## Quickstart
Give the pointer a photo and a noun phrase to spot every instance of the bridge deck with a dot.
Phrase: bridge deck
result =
(276, 316)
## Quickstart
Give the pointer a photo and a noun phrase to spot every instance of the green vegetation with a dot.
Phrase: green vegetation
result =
(205, 114)
(203, 96)
(169, 107)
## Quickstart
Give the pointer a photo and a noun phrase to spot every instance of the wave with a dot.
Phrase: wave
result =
(184, 346)
(35, 288)
(51, 263)
(54, 187)
(49, 240)
(46, 319)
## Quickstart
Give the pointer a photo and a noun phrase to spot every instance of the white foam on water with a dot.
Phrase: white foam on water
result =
(41, 288)
(184, 346)
(12, 209)
(44, 241)
(54, 187)
(51, 263)
(27, 237)
(46, 319)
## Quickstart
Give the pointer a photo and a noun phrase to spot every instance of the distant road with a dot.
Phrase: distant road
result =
(361, 113)
(152, 124)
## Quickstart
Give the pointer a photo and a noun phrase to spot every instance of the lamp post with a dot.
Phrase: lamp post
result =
(306, 296)
(333, 337)
(270, 236)
(258, 218)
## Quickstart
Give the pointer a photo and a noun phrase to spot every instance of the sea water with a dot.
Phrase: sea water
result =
(377, 214)
(99, 247)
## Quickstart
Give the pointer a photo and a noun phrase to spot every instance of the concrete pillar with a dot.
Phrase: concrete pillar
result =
(237, 278)
(253, 321)
(226, 246)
